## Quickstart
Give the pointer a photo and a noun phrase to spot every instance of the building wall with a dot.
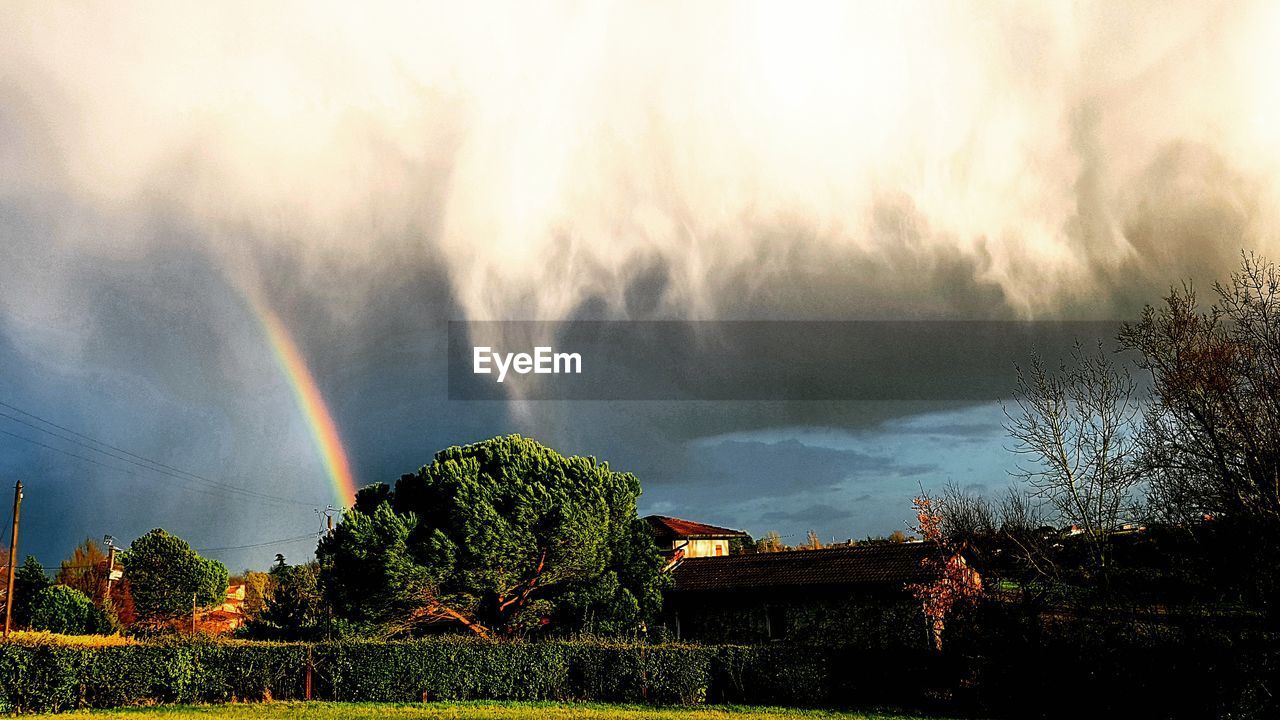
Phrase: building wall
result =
(707, 548)
(873, 621)
(700, 548)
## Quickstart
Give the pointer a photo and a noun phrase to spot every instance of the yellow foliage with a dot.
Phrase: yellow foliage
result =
(40, 637)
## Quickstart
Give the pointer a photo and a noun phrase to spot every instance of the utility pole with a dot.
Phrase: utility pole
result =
(328, 518)
(193, 614)
(13, 558)
(111, 565)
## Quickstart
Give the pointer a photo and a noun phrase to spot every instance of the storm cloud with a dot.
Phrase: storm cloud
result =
(374, 172)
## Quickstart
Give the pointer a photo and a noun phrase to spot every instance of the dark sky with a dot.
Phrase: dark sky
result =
(373, 176)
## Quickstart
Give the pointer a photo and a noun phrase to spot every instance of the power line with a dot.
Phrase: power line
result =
(160, 468)
(126, 470)
(220, 486)
(309, 536)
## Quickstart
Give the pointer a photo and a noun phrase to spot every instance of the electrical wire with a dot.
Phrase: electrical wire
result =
(126, 471)
(309, 536)
(123, 455)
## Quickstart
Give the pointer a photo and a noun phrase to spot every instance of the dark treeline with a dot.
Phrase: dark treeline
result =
(1133, 564)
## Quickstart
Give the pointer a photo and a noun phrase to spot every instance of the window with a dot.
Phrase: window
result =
(775, 622)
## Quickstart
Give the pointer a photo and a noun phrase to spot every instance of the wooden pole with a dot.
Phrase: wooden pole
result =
(111, 567)
(193, 614)
(13, 558)
(309, 668)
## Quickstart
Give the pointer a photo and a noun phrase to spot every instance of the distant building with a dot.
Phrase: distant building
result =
(856, 594)
(228, 616)
(679, 539)
(234, 602)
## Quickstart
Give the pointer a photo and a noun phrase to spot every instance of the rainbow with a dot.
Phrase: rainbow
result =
(323, 430)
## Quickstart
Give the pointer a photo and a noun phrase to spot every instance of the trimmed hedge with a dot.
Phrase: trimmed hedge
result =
(50, 676)
(45, 676)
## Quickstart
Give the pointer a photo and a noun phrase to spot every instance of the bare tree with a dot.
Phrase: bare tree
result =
(1212, 435)
(963, 516)
(1077, 428)
(1005, 538)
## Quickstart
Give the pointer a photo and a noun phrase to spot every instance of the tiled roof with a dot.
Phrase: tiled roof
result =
(669, 527)
(895, 564)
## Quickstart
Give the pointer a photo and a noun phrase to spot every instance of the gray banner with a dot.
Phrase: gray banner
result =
(754, 360)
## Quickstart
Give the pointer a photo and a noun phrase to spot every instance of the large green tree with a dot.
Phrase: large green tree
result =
(164, 573)
(504, 535)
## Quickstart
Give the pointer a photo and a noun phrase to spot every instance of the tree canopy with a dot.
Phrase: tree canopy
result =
(502, 535)
(164, 572)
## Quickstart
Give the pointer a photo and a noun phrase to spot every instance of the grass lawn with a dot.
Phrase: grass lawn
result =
(463, 711)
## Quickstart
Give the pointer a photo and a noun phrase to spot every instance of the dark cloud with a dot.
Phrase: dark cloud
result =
(394, 181)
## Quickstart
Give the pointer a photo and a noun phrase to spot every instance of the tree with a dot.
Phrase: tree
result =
(742, 545)
(952, 583)
(258, 587)
(63, 609)
(28, 581)
(85, 570)
(771, 542)
(370, 575)
(504, 536)
(295, 610)
(1078, 425)
(164, 573)
(1211, 440)
(1003, 539)
(120, 605)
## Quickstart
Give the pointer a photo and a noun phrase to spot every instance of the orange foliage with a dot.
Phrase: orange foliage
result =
(953, 583)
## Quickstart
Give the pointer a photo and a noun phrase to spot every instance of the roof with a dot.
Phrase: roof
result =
(669, 527)
(894, 564)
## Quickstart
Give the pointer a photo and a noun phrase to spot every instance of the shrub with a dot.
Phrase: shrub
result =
(62, 609)
(38, 637)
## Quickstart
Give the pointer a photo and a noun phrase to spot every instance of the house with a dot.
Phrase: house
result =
(678, 539)
(857, 594)
(228, 616)
(234, 601)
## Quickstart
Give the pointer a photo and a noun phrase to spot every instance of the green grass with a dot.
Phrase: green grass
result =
(464, 711)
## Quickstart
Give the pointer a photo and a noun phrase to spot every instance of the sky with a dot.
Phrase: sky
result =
(174, 172)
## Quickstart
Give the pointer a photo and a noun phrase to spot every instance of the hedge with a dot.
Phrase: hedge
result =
(995, 673)
(46, 675)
